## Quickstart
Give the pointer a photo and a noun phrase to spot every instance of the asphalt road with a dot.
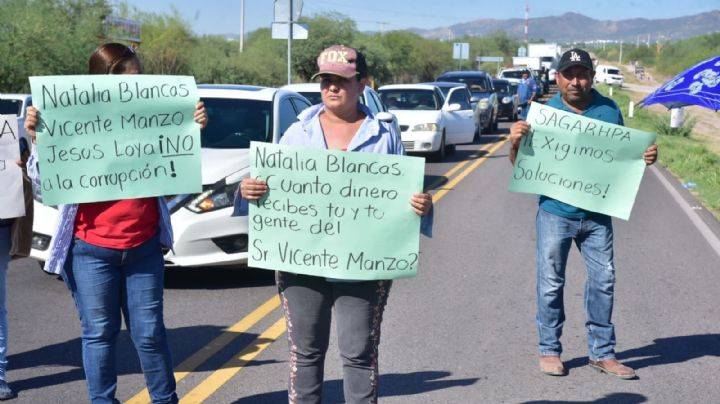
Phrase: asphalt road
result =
(461, 332)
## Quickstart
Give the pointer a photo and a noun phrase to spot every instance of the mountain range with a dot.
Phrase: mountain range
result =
(574, 27)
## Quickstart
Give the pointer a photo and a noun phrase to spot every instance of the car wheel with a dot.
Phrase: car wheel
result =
(478, 130)
(495, 124)
(450, 149)
(439, 155)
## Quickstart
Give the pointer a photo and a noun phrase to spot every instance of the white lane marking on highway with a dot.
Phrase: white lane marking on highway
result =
(703, 228)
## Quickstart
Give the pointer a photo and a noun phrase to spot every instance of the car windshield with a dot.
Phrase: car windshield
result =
(445, 90)
(313, 96)
(502, 87)
(234, 123)
(10, 107)
(512, 74)
(409, 99)
(613, 71)
(476, 84)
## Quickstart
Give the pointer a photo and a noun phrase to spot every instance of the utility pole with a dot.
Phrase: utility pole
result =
(290, 36)
(620, 58)
(242, 24)
(527, 9)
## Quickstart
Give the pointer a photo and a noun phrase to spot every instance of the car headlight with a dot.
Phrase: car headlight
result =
(423, 127)
(507, 100)
(217, 196)
(484, 103)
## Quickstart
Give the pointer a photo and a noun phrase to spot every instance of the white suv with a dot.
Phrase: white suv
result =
(609, 75)
(205, 233)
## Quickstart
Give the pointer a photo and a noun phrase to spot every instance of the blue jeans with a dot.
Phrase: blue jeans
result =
(594, 238)
(5, 242)
(524, 107)
(104, 282)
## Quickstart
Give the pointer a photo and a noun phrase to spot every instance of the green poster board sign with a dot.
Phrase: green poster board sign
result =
(584, 162)
(109, 137)
(335, 214)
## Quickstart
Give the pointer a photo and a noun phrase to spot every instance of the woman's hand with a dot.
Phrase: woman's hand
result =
(200, 114)
(650, 155)
(32, 117)
(421, 203)
(253, 189)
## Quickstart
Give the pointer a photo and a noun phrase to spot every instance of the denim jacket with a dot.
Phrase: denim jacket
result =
(60, 243)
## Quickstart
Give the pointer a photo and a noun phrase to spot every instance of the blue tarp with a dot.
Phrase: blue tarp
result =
(698, 85)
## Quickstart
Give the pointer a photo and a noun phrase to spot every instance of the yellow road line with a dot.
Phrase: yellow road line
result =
(450, 185)
(214, 346)
(221, 376)
(456, 168)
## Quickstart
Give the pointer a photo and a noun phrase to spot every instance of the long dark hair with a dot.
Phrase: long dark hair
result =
(112, 58)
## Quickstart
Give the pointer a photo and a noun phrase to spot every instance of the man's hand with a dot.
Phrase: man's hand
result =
(517, 131)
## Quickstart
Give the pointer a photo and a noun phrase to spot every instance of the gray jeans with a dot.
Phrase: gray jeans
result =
(307, 303)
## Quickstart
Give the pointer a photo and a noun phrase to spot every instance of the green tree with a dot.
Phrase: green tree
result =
(167, 42)
(47, 37)
(323, 30)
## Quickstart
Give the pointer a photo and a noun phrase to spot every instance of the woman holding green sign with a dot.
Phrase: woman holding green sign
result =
(110, 256)
(339, 123)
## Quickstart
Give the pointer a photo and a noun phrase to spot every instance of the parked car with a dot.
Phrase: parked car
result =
(311, 91)
(509, 100)
(16, 104)
(512, 74)
(609, 75)
(369, 98)
(430, 122)
(480, 84)
(205, 233)
(446, 86)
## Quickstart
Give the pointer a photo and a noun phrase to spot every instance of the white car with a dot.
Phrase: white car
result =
(369, 98)
(429, 122)
(609, 75)
(16, 104)
(205, 233)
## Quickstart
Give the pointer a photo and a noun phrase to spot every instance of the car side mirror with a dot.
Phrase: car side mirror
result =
(453, 107)
(475, 98)
(384, 117)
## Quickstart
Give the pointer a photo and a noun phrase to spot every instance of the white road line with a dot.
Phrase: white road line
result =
(703, 228)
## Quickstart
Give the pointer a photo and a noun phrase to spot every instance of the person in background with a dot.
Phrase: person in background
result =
(340, 122)
(15, 240)
(109, 254)
(527, 91)
(559, 224)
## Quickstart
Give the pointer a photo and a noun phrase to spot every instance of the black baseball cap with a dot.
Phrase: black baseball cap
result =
(575, 57)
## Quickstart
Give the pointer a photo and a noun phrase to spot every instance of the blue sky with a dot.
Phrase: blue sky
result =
(223, 16)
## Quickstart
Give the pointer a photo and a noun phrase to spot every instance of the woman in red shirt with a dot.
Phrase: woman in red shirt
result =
(114, 264)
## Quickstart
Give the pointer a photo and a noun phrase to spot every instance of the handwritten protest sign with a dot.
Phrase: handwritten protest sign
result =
(109, 137)
(584, 162)
(11, 197)
(335, 214)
